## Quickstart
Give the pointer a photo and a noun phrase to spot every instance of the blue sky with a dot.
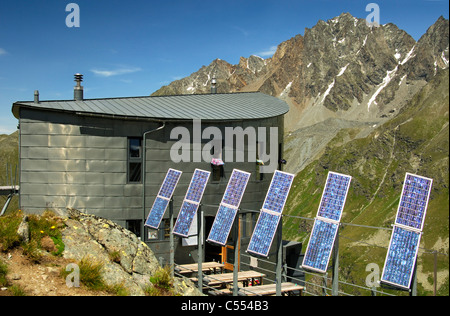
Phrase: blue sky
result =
(132, 48)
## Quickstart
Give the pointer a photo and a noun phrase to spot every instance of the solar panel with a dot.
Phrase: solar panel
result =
(401, 258)
(228, 208)
(191, 202)
(236, 187)
(264, 233)
(185, 218)
(222, 225)
(169, 184)
(197, 185)
(334, 196)
(270, 215)
(319, 249)
(414, 201)
(162, 200)
(278, 191)
(157, 212)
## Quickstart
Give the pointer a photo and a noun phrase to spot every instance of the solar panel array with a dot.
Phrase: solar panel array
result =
(403, 248)
(191, 202)
(323, 236)
(163, 198)
(229, 207)
(270, 215)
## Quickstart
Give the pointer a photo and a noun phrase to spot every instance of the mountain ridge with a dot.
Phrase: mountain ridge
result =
(340, 69)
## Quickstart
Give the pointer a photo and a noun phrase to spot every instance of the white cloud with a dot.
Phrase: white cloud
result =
(3, 52)
(269, 52)
(115, 72)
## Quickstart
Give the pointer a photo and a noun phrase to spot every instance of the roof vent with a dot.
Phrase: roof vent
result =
(36, 96)
(78, 90)
(213, 85)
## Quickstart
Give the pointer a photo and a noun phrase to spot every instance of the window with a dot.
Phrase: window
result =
(134, 160)
(217, 163)
(259, 151)
(161, 234)
(217, 173)
(134, 226)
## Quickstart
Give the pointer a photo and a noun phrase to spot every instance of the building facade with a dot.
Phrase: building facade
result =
(109, 157)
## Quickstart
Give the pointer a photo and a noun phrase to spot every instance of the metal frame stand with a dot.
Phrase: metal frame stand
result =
(200, 248)
(279, 267)
(237, 246)
(172, 241)
(335, 276)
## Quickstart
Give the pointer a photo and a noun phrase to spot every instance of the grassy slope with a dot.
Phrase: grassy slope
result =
(415, 141)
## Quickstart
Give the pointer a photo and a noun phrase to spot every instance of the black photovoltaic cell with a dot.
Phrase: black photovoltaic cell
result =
(162, 200)
(319, 249)
(191, 202)
(334, 196)
(401, 258)
(264, 233)
(222, 225)
(414, 201)
(278, 192)
(228, 207)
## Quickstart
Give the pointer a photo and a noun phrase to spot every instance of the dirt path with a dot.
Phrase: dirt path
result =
(41, 279)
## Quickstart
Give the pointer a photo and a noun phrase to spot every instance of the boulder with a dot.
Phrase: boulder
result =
(91, 236)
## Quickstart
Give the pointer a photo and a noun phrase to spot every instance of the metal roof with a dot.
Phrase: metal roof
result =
(231, 106)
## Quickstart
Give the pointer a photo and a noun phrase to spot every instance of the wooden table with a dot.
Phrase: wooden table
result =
(213, 267)
(227, 278)
(271, 289)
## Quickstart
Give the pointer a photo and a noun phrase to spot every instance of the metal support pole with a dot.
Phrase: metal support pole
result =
(335, 278)
(200, 248)
(172, 240)
(435, 272)
(414, 282)
(279, 256)
(236, 257)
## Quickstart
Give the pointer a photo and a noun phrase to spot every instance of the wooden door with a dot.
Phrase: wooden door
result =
(228, 251)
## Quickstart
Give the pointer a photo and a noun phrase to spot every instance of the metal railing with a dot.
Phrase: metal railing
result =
(315, 284)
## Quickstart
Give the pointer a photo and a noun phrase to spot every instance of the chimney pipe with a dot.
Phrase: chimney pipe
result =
(213, 85)
(78, 89)
(36, 96)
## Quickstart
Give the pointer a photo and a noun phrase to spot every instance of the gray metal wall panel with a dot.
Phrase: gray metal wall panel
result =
(95, 178)
(95, 153)
(34, 141)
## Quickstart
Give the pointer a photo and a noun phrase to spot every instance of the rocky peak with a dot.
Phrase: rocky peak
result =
(339, 68)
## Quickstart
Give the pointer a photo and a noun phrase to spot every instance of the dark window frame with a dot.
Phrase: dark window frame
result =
(134, 162)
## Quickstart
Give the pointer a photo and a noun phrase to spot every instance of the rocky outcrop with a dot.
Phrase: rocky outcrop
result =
(126, 260)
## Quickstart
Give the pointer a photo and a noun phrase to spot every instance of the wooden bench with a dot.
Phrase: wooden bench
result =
(213, 267)
(271, 289)
(227, 278)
